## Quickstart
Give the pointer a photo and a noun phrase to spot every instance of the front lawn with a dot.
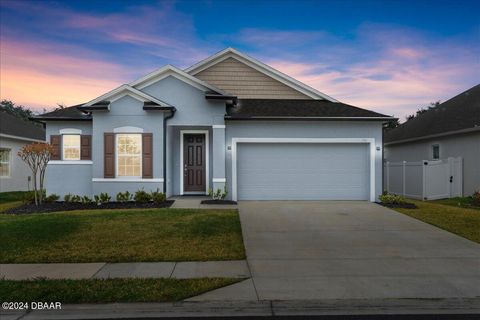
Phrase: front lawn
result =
(461, 221)
(121, 236)
(108, 290)
(461, 202)
(9, 205)
(12, 196)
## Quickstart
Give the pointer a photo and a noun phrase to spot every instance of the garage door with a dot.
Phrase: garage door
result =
(296, 171)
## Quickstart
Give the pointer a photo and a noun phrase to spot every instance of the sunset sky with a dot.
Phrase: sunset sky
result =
(389, 56)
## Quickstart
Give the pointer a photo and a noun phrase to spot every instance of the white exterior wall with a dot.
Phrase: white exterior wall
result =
(466, 146)
(19, 170)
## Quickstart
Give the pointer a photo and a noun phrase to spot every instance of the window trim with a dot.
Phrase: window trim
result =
(433, 151)
(117, 134)
(79, 146)
(9, 163)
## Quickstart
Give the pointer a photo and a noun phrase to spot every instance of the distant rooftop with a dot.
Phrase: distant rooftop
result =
(13, 126)
(461, 112)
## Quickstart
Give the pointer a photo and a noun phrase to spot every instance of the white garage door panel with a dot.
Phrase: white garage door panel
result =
(310, 171)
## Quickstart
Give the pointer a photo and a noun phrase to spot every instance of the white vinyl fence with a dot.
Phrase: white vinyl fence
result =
(426, 179)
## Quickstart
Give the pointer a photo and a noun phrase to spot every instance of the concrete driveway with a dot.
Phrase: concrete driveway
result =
(340, 249)
(300, 250)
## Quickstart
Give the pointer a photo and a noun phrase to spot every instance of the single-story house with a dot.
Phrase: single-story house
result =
(15, 175)
(452, 129)
(229, 121)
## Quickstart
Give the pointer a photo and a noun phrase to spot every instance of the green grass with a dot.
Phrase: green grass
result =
(13, 196)
(9, 205)
(121, 236)
(462, 202)
(461, 221)
(108, 290)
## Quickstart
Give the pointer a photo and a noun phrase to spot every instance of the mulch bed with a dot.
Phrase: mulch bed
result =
(70, 206)
(398, 205)
(218, 202)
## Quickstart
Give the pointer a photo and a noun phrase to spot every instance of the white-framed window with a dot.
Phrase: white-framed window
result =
(129, 155)
(71, 146)
(4, 163)
(435, 151)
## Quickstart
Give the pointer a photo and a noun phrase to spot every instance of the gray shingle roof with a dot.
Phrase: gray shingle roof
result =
(292, 109)
(459, 113)
(69, 113)
(14, 126)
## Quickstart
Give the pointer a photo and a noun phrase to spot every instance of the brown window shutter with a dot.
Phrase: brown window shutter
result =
(147, 155)
(55, 141)
(85, 147)
(108, 155)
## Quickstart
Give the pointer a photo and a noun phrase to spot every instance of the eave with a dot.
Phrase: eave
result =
(433, 136)
(40, 119)
(273, 118)
(155, 107)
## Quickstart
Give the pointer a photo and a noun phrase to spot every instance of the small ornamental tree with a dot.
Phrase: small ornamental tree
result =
(36, 155)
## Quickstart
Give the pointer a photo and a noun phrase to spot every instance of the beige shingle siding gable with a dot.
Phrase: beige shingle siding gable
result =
(245, 82)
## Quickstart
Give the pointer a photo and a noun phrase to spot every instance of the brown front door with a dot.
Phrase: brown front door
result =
(194, 162)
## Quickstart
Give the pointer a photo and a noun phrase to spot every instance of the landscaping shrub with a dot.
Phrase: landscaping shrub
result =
(28, 197)
(218, 195)
(389, 198)
(158, 197)
(52, 198)
(142, 196)
(124, 196)
(476, 198)
(76, 198)
(102, 198)
(86, 200)
(67, 198)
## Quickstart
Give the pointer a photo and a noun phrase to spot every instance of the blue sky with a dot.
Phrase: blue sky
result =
(389, 56)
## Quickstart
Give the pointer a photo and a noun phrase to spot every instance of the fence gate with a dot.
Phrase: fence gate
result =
(427, 180)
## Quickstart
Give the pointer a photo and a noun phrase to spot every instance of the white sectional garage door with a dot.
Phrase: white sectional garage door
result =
(302, 171)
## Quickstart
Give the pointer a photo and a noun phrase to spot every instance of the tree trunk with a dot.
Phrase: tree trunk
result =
(42, 178)
(35, 190)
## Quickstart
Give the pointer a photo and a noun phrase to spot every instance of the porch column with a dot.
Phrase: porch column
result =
(218, 148)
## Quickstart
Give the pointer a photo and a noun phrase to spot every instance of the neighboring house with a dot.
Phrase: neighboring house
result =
(228, 121)
(450, 130)
(15, 175)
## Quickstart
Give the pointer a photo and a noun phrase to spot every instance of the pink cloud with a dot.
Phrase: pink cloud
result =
(35, 75)
(401, 90)
(409, 53)
(159, 30)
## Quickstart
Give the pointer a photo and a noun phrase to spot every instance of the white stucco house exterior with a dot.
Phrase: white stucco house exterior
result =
(15, 175)
(228, 121)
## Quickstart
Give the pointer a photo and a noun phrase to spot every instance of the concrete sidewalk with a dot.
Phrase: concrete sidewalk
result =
(178, 270)
(468, 308)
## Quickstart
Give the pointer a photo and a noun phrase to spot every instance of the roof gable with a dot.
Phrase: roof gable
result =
(124, 90)
(170, 70)
(262, 68)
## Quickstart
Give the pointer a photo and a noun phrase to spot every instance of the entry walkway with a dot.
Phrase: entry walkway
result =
(178, 270)
(195, 202)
